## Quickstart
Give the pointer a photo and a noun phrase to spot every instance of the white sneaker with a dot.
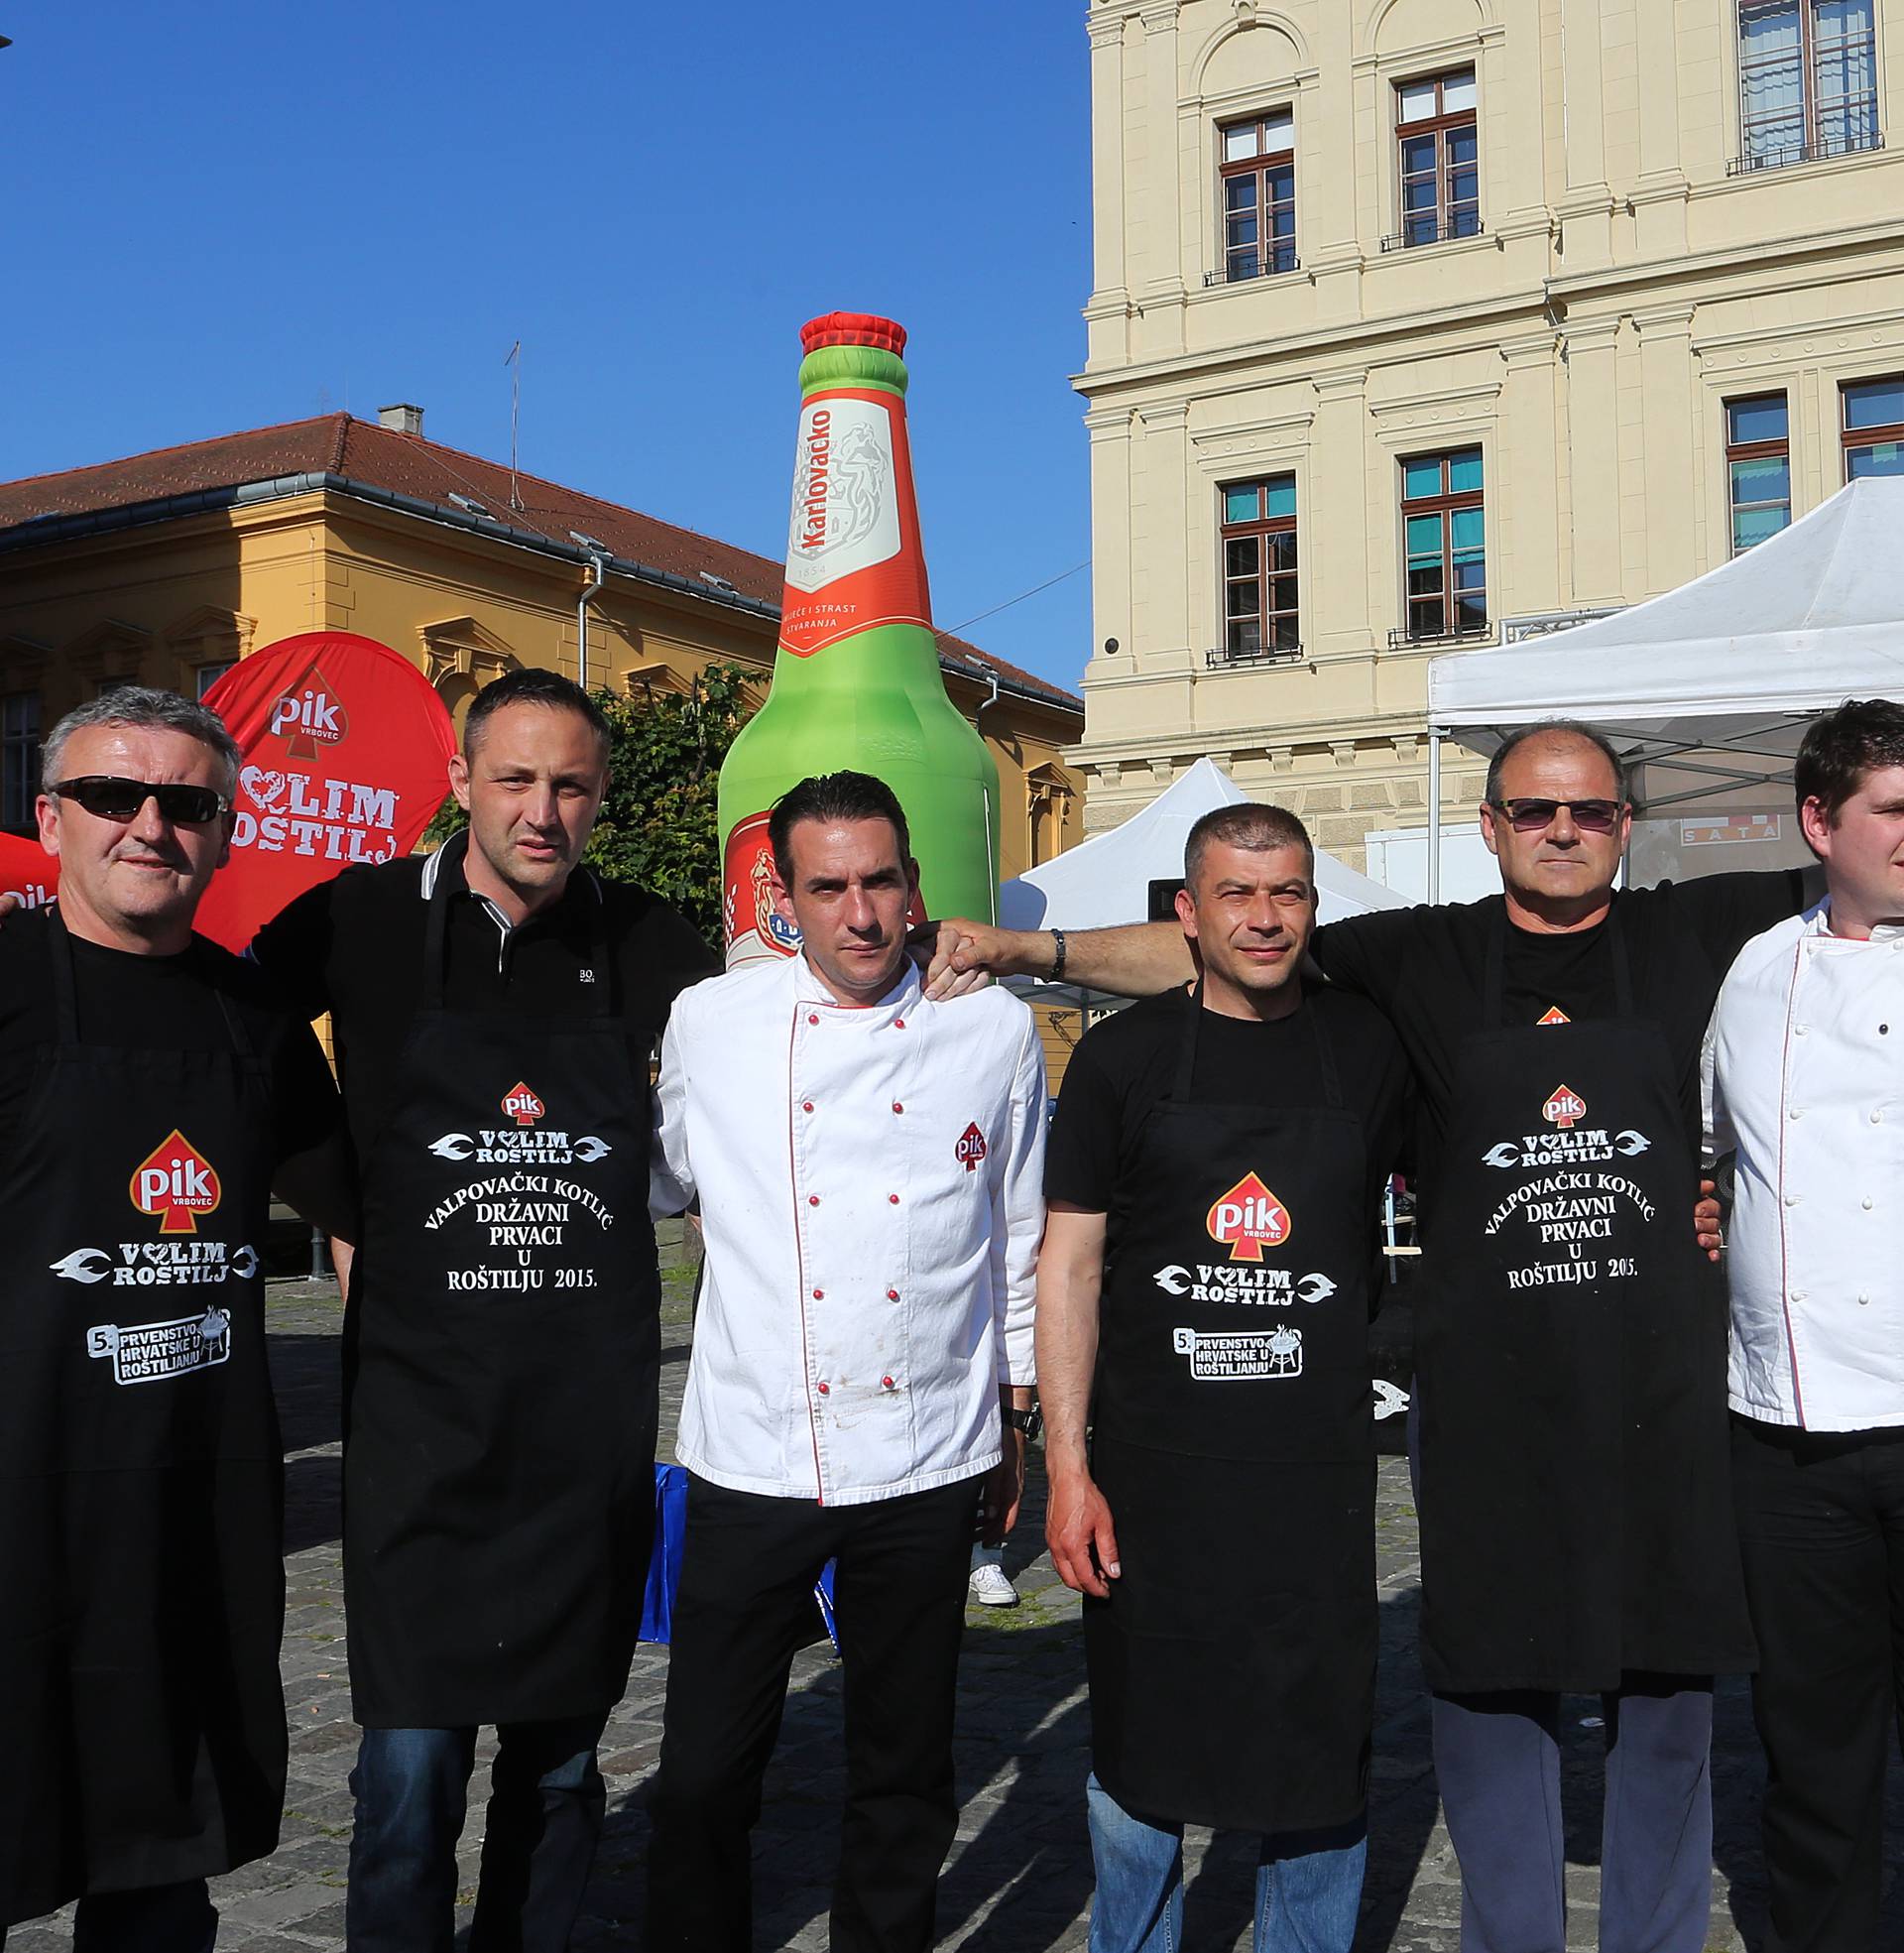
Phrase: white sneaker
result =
(990, 1586)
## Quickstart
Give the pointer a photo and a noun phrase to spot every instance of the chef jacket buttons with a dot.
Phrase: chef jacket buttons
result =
(819, 1295)
(807, 1106)
(1798, 1112)
(823, 1389)
(897, 1106)
(1878, 1116)
(898, 1024)
(1799, 1030)
(892, 1295)
(1863, 1301)
(812, 1018)
(1867, 1203)
(886, 1383)
(812, 1200)
(892, 1199)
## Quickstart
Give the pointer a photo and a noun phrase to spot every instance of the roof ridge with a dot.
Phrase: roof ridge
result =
(174, 447)
(443, 448)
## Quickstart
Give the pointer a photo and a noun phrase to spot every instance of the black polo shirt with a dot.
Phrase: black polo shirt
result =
(354, 946)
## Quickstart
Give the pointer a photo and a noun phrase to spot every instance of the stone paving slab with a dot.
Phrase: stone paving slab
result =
(1019, 1879)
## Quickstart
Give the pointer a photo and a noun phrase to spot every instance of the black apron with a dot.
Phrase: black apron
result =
(1575, 1513)
(141, 1483)
(1232, 1667)
(502, 1366)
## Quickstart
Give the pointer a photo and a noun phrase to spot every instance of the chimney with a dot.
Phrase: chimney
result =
(402, 419)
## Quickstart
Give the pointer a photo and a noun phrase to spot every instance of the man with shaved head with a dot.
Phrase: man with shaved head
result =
(1577, 1534)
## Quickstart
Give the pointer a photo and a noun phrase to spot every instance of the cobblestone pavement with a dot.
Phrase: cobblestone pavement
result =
(1019, 1880)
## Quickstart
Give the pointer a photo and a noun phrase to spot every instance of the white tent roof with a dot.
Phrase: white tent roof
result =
(1710, 684)
(1107, 879)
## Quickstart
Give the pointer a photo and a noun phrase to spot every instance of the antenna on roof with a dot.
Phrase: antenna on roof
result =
(514, 363)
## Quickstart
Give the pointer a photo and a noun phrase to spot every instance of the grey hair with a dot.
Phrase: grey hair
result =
(145, 707)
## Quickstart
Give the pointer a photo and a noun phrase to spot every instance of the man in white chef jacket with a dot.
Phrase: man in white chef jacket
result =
(869, 1168)
(1805, 1076)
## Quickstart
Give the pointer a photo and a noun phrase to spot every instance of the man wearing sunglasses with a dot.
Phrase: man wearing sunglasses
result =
(151, 1092)
(1576, 1520)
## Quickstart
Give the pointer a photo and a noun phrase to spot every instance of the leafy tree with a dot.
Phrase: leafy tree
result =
(657, 822)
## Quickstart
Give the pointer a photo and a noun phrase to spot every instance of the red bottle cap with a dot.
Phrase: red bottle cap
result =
(852, 329)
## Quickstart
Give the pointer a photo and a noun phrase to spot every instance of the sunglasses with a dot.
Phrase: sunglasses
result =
(108, 798)
(1533, 817)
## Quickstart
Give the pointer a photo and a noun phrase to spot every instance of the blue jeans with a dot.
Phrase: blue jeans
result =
(152, 1920)
(545, 1806)
(1308, 1884)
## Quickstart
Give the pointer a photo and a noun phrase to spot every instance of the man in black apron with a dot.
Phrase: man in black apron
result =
(149, 1091)
(494, 1007)
(1213, 1179)
(1571, 1365)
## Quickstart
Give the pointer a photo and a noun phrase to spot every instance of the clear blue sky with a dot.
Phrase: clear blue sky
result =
(231, 214)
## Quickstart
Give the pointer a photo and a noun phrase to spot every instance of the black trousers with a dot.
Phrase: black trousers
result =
(1820, 1522)
(743, 1607)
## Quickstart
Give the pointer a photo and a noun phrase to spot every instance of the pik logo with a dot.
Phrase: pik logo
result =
(1553, 1014)
(177, 1182)
(310, 715)
(1248, 1219)
(1566, 1109)
(521, 1104)
(970, 1148)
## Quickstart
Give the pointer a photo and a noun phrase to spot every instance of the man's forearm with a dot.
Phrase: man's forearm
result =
(1067, 1360)
(1135, 960)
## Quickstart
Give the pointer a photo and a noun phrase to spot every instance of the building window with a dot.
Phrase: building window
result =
(1807, 81)
(1257, 173)
(1873, 413)
(1260, 615)
(19, 760)
(1442, 525)
(1758, 467)
(208, 675)
(1437, 146)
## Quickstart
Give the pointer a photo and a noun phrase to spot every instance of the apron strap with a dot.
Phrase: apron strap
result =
(437, 933)
(1492, 989)
(65, 993)
(1325, 1051)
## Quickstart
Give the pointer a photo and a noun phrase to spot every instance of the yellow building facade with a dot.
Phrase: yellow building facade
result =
(164, 569)
(1427, 323)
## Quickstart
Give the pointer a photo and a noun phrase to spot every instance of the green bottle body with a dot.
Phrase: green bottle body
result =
(856, 679)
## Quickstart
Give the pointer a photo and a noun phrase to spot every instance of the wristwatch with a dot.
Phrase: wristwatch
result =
(1030, 1422)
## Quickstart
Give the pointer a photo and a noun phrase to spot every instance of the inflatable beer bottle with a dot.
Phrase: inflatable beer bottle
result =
(856, 678)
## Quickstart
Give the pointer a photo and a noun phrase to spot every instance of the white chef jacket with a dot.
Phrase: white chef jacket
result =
(1804, 1073)
(872, 1195)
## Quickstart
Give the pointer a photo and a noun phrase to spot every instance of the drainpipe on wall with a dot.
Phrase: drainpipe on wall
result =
(597, 567)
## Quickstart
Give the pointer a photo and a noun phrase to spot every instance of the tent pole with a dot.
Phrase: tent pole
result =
(1434, 814)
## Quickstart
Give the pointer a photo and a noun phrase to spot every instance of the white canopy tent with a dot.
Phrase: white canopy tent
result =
(1708, 689)
(1107, 879)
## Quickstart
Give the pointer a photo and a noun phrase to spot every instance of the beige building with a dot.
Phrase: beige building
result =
(1420, 323)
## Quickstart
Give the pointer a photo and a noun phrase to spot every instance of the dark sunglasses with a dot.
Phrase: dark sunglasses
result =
(1532, 816)
(108, 798)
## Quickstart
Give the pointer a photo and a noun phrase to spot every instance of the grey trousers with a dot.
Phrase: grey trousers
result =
(1497, 1761)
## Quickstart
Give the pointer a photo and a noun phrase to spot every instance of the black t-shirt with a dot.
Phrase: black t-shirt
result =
(1126, 1064)
(354, 946)
(1426, 969)
(162, 1004)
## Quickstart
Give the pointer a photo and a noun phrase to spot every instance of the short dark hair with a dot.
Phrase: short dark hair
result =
(1570, 728)
(833, 797)
(1841, 746)
(533, 685)
(1254, 825)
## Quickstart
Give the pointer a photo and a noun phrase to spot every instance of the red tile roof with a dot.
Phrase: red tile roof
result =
(408, 464)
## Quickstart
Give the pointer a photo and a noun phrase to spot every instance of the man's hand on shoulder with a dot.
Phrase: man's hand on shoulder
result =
(956, 957)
